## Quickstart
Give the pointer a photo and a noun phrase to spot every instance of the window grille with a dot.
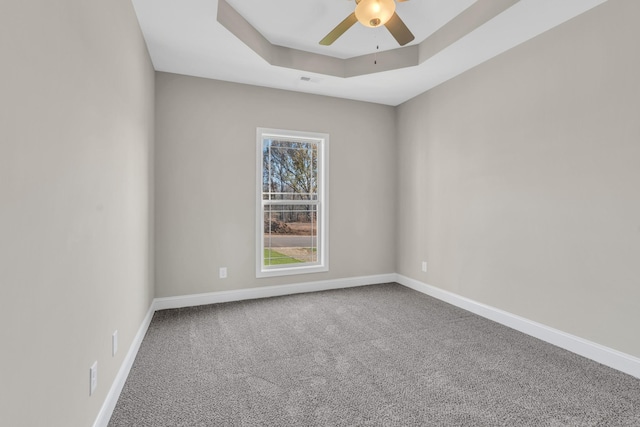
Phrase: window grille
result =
(291, 218)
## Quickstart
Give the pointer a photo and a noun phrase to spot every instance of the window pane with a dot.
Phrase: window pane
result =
(291, 218)
(290, 234)
(290, 170)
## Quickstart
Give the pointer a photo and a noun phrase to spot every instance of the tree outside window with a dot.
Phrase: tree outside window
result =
(291, 217)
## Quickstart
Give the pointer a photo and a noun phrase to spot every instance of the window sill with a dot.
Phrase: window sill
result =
(290, 271)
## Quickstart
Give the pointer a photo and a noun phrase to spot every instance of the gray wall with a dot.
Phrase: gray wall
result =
(76, 127)
(206, 171)
(519, 181)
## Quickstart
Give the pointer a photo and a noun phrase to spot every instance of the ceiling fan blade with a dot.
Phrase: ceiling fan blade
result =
(339, 30)
(399, 30)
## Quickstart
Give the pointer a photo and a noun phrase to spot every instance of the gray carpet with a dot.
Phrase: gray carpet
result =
(380, 355)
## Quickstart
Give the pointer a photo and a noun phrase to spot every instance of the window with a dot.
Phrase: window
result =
(291, 219)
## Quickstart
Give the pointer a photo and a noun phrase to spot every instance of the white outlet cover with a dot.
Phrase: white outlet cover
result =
(93, 378)
(114, 343)
(223, 272)
(424, 266)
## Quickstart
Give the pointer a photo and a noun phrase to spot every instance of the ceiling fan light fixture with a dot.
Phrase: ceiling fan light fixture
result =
(373, 13)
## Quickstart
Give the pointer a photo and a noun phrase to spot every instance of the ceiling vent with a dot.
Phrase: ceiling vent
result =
(310, 79)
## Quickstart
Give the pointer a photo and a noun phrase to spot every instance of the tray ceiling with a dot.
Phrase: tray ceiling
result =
(187, 37)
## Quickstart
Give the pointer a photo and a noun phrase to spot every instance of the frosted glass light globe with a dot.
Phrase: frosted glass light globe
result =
(373, 13)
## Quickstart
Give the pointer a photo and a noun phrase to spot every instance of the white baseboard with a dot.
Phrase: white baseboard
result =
(599, 353)
(118, 383)
(268, 291)
(607, 356)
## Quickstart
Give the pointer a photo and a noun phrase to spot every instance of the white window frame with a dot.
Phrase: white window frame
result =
(322, 238)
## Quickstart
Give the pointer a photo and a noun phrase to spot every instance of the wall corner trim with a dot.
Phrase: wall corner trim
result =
(607, 356)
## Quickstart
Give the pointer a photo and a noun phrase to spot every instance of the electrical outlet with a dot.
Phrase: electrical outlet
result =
(114, 343)
(223, 272)
(93, 378)
(424, 266)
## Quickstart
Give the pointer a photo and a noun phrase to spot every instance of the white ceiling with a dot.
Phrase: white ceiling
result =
(305, 23)
(184, 37)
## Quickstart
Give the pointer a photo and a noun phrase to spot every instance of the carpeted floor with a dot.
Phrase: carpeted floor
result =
(380, 355)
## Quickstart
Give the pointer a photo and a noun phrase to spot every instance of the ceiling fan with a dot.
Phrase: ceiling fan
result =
(373, 13)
